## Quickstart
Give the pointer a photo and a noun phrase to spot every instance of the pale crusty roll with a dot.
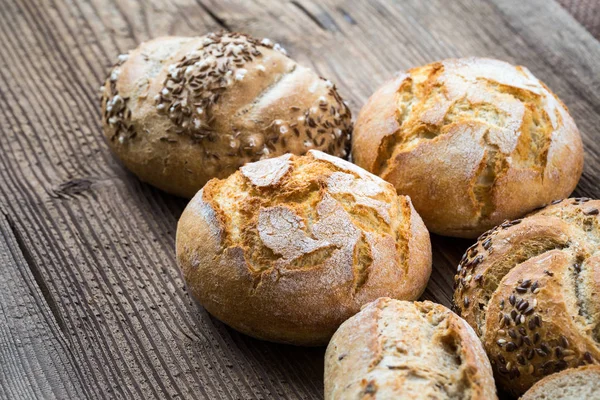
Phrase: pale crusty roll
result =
(403, 350)
(581, 383)
(179, 111)
(286, 249)
(472, 141)
(530, 288)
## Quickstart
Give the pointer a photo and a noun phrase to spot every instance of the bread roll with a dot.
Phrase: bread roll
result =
(473, 142)
(288, 248)
(179, 111)
(581, 383)
(531, 288)
(403, 350)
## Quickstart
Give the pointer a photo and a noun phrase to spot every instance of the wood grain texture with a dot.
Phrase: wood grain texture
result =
(92, 303)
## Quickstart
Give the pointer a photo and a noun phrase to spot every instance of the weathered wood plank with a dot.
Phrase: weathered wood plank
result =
(34, 353)
(102, 243)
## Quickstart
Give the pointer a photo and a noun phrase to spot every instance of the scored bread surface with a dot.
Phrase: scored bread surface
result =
(288, 248)
(472, 141)
(403, 350)
(530, 288)
(179, 111)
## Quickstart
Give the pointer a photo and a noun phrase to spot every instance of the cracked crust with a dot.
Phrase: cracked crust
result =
(572, 384)
(530, 290)
(407, 350)
(288, 248)
(179, 111)
(472, 141)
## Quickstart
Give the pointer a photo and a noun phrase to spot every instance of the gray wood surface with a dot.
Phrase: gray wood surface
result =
(92, 304)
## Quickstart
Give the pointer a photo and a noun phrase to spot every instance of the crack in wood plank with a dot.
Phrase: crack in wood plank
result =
(36, 273)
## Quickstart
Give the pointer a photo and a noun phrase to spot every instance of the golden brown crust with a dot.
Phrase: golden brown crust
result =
(180, 111)
(288, 248)
(472, 141)
(403, 350)
(530, 289)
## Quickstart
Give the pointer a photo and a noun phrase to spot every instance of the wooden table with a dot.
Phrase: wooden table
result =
(92, 304)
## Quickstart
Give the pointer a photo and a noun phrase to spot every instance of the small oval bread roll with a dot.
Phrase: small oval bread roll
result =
(407, 350)
(531, 290)
(179, 111)
(472, 141)
(286, 249)
(581, 383)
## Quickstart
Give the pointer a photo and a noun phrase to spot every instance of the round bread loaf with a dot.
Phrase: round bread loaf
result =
(581, 383)
(179, 111)
(531, 288)
(403, 350)
(288, 248)
(472, 141)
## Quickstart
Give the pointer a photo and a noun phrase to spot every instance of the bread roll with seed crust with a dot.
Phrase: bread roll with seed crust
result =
(288, 248)
(403, 350)
(472, 141)
(571, 384)
(179, 111)
(530, 288)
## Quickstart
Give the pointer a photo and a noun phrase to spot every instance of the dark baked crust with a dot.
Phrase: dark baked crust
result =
(403, 350)
(288, 248)
(180, 111)
(472, 141)
(530, 289)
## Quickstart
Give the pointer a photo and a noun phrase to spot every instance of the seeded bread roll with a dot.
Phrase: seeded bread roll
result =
(179, 111)
(472, 141)
(531, 288)
(286, 249)
(403, 350)
(571, 384)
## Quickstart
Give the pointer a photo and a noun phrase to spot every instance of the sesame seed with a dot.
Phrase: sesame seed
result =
(530, 353)
(541, 352)
(114, 75)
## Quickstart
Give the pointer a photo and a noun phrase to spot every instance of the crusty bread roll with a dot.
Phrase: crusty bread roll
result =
(179, 111)
(581, 383)
(403, 350)
(288, 248)
(472, 141)
(531, 290)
